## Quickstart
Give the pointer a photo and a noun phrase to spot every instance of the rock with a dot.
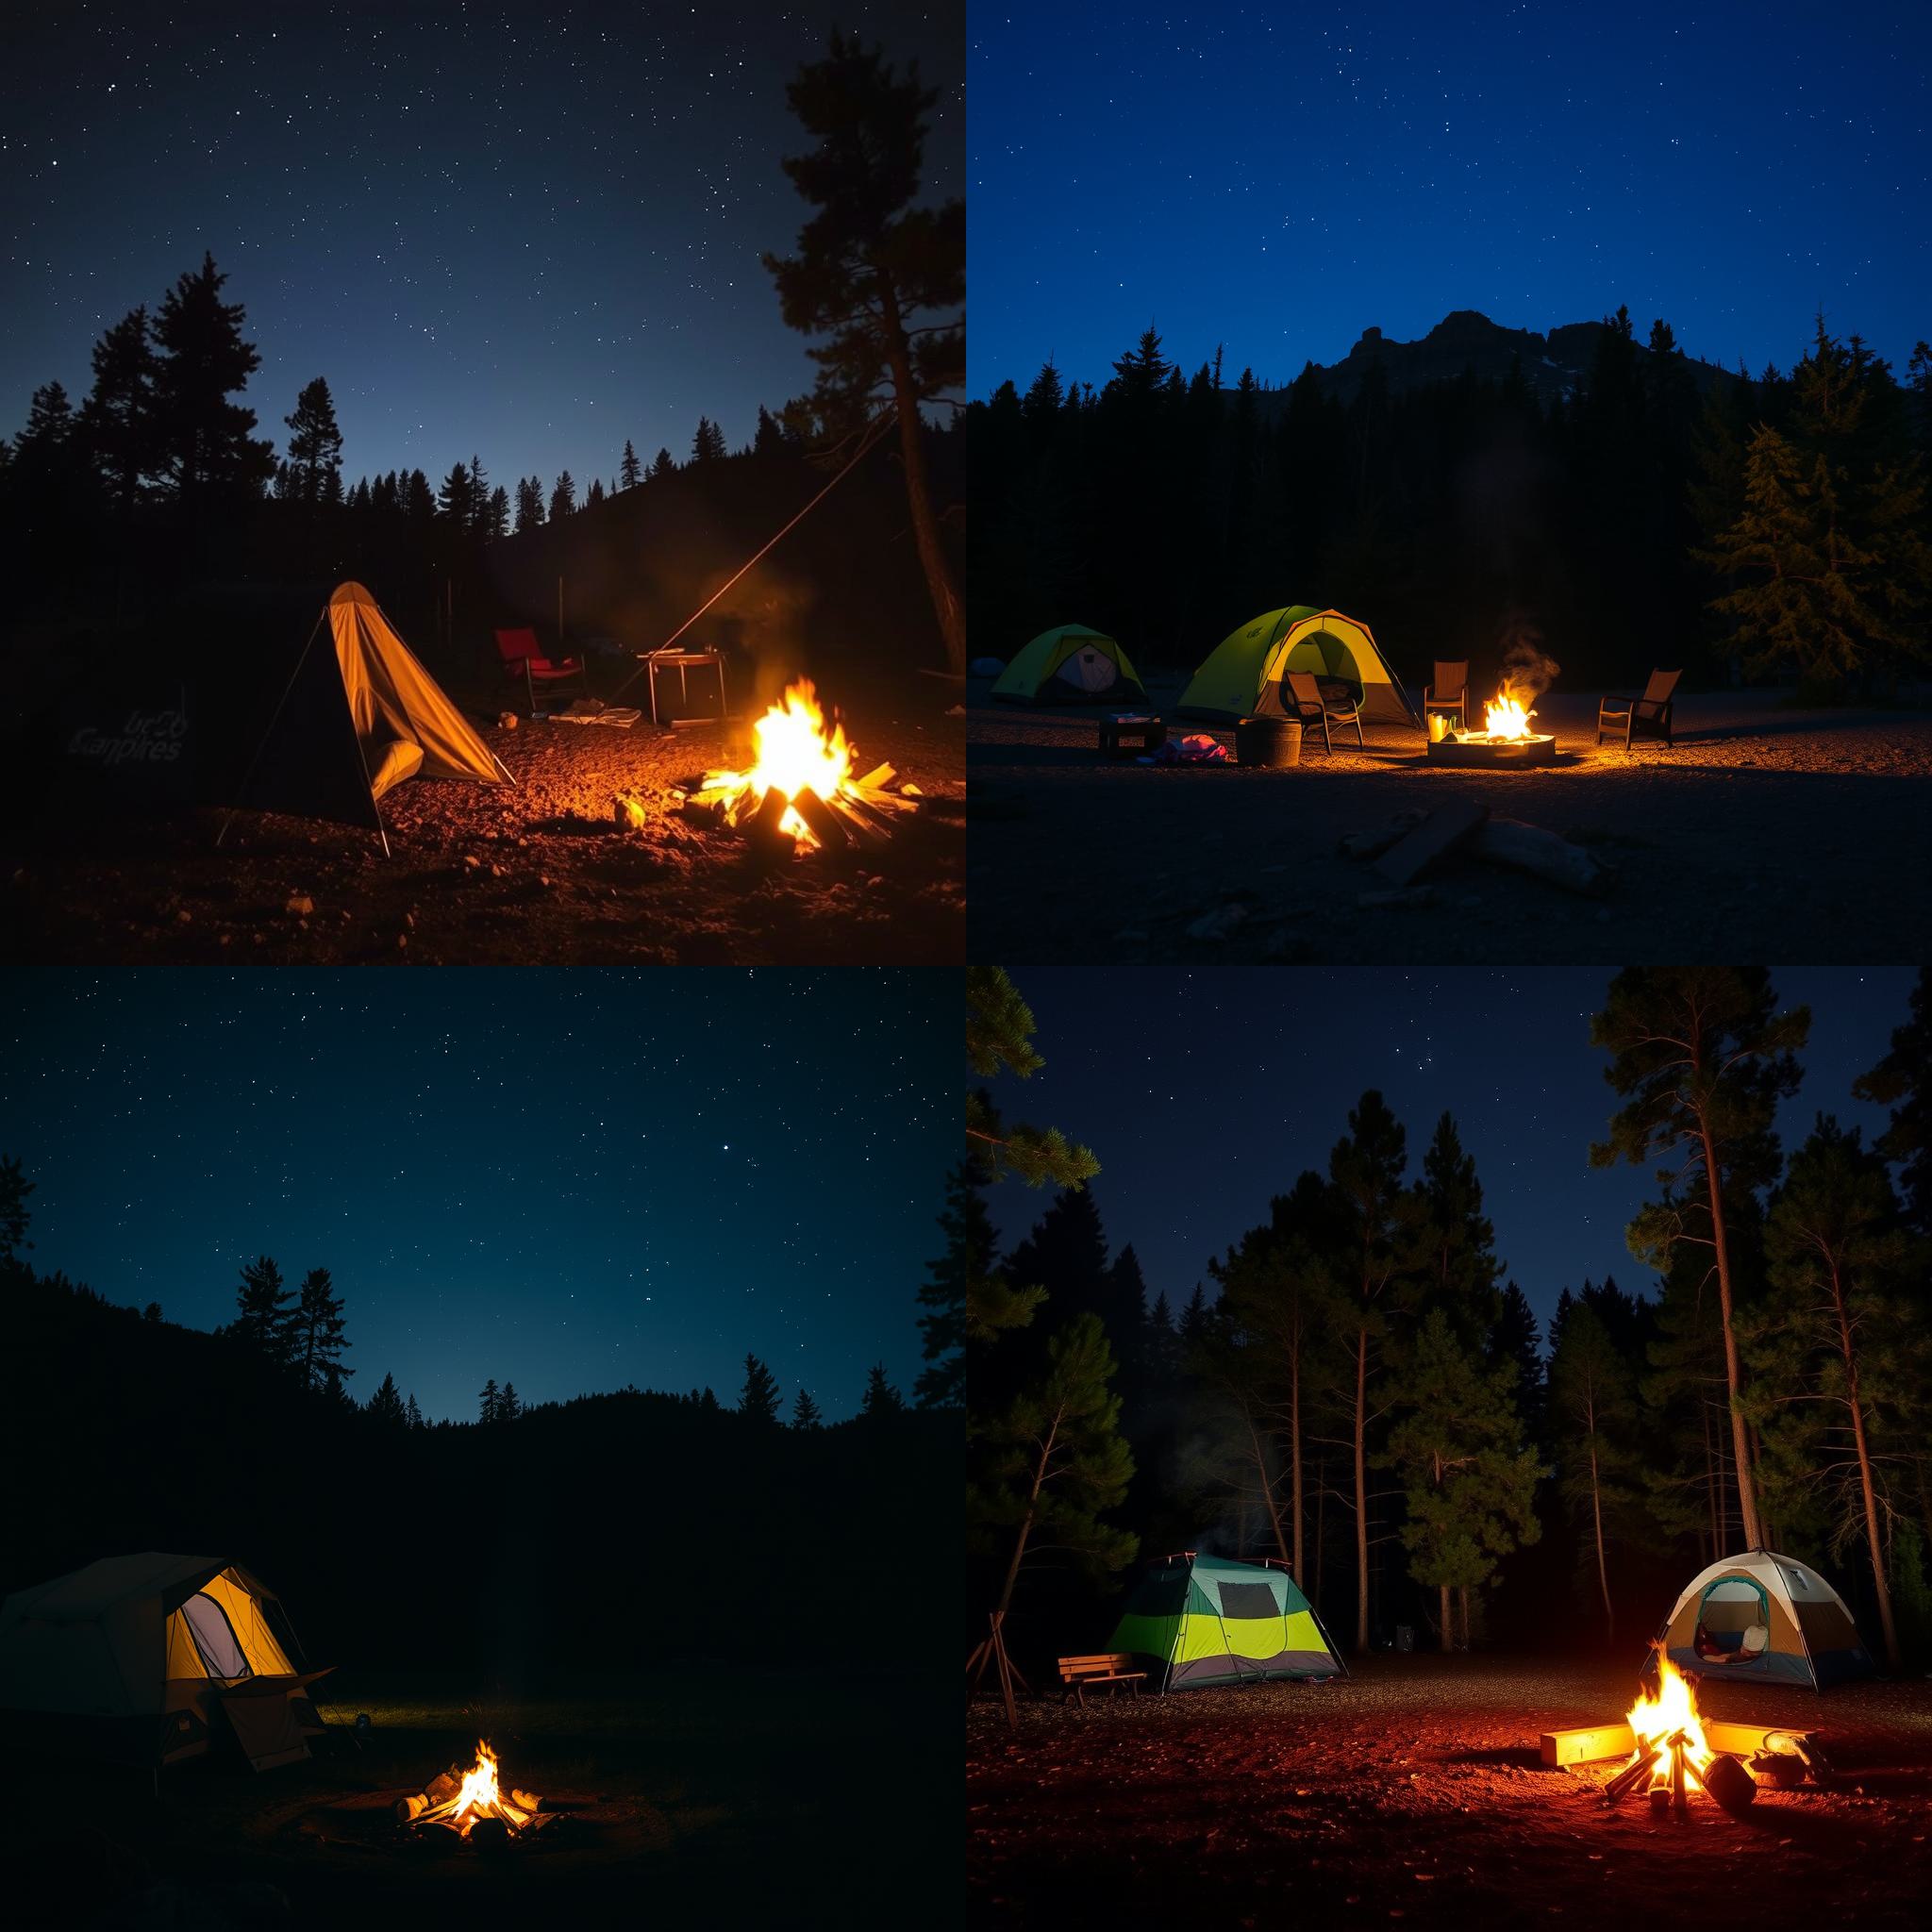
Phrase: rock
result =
(184, 917)
(300, 905)
(471, 863)
(1218, 922)
(543, 880)
(402, 940)
(506, 719)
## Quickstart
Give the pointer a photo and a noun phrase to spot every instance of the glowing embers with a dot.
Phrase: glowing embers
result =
(1505, 740)
(799, 793)
(473, 1805)
(1671, 1755)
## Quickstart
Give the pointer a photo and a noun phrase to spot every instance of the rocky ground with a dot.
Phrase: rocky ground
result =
(538, 873)
(1766, 832)
(1415, 1791)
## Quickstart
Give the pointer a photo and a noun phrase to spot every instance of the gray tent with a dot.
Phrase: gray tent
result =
(148, 1660)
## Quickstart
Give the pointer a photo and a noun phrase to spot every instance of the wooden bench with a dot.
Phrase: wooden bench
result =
(1109, 1668)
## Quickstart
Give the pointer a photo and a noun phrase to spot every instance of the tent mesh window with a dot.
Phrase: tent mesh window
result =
(214, 1638)
(1734, 1613)
(1249, 1600)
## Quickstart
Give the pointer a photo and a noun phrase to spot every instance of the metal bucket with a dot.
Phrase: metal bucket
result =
(1271, 743)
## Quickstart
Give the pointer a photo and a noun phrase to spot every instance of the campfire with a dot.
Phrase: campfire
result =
(800, 793)
(1506, 738)
(474, 1801)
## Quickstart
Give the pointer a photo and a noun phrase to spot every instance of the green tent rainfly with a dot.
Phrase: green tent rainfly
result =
(1070, 665)
(1241, 677)
(1193, 1619)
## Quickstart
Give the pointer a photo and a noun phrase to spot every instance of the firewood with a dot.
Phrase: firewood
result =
(1444, 829)
(827, 826)
(1529, 848)
(442, 1790)
(525, 1801)
(1631, 1773)
(878, 778)
(762, 826)
(1371, 844)
(408, 1809)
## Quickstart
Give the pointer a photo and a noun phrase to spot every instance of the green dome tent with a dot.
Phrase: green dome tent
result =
(1193, 1619)
(1243, 675)
(1070, 665)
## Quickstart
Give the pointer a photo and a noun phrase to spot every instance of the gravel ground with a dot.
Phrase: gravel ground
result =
(1767, 831)
(1415, 1791)
(483, 875)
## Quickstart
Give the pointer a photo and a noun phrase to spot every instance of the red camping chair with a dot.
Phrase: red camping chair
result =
(523, 655)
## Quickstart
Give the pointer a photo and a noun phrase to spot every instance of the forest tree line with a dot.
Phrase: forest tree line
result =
(1360, 1391)
(1780, 525)
(163, 450)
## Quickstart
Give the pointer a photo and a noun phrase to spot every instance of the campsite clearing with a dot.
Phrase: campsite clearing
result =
(1768, 832)
(1415, 1789)
(535, 872)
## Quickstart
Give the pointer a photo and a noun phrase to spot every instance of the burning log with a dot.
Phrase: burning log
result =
(1631, 1774)
(826, 824)
(472, 1806)
(1731, 1785)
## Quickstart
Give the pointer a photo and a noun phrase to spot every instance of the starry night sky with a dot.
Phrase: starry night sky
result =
(1202, 1102)
(520, 232)
(1281, 178)
(572, 1181)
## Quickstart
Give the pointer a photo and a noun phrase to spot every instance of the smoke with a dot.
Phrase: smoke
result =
(1528, 670)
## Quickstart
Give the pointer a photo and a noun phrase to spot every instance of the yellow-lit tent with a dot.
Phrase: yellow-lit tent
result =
(150, 1658)
(359, 719)
(1241, 676)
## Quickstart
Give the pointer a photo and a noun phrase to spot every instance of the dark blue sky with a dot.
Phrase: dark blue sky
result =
(509, 230)
(568, 1180)
(1204, 1095)
(1279, 178)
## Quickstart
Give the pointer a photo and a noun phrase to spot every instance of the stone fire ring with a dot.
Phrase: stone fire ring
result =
(1496, 755)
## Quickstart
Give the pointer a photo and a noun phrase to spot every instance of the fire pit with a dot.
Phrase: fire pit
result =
(1505, 744)
(471, 1805)
(800, 795)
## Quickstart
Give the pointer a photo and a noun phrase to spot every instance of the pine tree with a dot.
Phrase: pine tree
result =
(14, 1215)
(1514, 1338)
(1593, 1422)
(412, 1415)
(490, 1403)
(1054, 1460)
(1701, 1059)
(708, 446)
(509, 1405)
(152, 1312)
(204, 443)
(1455, 1240)
(879, 274)
(264, 1313)
(596, 496)
(118, 417)
(457, 499)
(759, 1398)
(1469, 1483)
(804, 1412)
(529, 504)
(999, 1037)
(880, 1397)
(563, 499)
(630, 471)
(480, 499)
(50, 427)
(1903, 1081)
(315, 443)
(968, 1300)
(1833, 1344)
(661, 464)
(496, 514)
(386, 1405)
(769, 439)
(316, 1329)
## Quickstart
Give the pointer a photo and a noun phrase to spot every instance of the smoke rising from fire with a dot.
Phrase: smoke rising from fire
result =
(1528, 670)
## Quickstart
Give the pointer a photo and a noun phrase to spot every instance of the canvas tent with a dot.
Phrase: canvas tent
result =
(358, 719)
(153, 1658)
(1766, 1616)
(1241, 676)
(1070, 665)
(1193, 1619)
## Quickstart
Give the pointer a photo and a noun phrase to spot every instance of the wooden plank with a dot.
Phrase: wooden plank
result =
(1444, 829)
(1587, 1743)
(1741, 1740)
(877, 778)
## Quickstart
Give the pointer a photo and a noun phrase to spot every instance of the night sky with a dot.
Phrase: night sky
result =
(1281, 178)
(570, 1181)
(1204, 1094)
(518, 232)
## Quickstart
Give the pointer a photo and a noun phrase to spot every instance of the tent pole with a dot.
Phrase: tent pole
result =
(269, 732)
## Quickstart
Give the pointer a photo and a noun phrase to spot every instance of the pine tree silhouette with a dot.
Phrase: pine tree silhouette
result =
(315, 443)
(413, 1413)
(661, 464)
(563, 499)
(529, 504)
(631, 473)
(804, 1412)
(14, 1215)
(386, 1405)
(204, 442)
(708, 446)
(457, 499)
(508, 1407)
(880, 1398)
(316, 1328)
(118, 414)
(496, 514)
(759, 1398)
(596, 491)
(491, 1401)
(264, 1309)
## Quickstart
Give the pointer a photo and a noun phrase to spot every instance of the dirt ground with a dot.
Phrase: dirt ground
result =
(1767, 832)
(718, 1795)
(1415, 1790)
(536, 874)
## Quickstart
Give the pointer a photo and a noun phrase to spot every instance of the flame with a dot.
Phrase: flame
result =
(480, 1796)
(1506, 716)
(794, 754)
(1673, 1709)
